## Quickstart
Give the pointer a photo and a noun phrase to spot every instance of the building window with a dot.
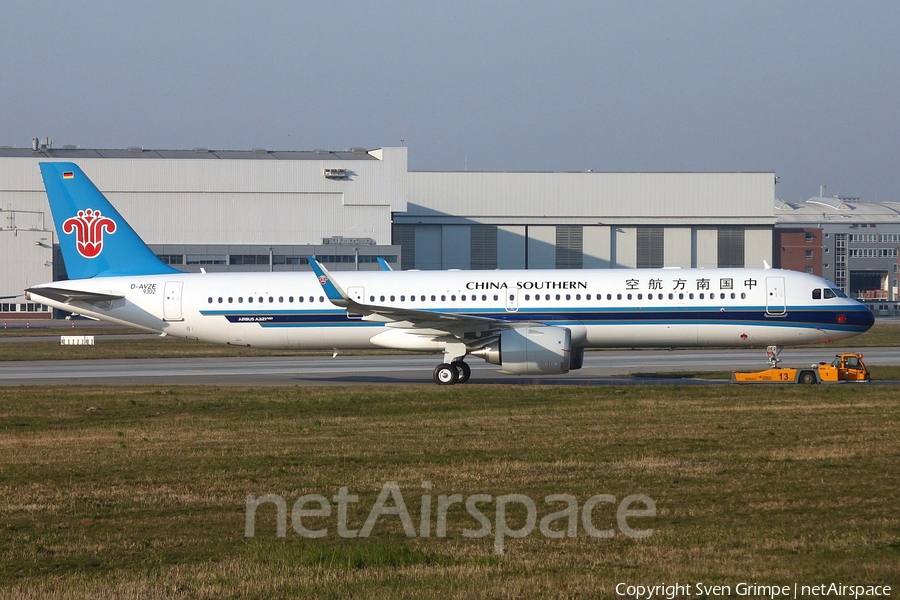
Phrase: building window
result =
(207, 259)
(248, 259)
(809, 237)
(650, 248)
(809, 254)
(171, 259)
(731, 248)
(569, 246)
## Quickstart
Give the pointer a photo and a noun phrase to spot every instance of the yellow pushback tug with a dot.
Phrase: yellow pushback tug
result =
(844, 367)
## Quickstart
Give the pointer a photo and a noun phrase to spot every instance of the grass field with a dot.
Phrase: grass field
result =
(141, 492)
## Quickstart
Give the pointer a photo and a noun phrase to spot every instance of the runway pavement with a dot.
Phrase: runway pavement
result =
(601, 367)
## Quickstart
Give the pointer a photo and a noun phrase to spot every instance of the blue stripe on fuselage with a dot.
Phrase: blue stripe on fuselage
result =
(853, 319)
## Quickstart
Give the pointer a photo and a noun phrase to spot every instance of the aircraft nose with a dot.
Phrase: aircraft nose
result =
(867, 318)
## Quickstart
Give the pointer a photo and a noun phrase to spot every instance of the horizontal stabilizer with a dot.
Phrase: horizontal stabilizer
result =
(69, 296)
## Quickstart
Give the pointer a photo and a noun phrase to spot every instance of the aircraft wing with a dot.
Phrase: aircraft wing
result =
(452, 323)
(69, 296)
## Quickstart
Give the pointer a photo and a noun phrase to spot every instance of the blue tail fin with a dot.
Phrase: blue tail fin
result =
(94, 238)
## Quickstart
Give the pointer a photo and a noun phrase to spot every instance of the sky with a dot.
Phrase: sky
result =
(809, 90)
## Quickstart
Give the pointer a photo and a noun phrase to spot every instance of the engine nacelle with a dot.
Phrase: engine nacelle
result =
(539, 350)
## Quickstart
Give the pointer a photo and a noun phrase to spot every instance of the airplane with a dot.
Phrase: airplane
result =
(527, 322)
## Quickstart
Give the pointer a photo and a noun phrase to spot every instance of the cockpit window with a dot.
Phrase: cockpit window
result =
(839, 293)
(829, 293)
(817, 294)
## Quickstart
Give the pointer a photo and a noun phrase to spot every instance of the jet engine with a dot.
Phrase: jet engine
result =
(532, 350)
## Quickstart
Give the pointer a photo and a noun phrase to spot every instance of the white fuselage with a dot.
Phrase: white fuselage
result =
(602, 308)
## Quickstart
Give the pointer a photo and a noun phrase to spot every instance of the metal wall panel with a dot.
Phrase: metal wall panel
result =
(511, 247)
(625, 241)
(757, 247)
(455, 247)
(625, 198)
(596, 247)
(678, 247)
(542, 247)
(706, 248)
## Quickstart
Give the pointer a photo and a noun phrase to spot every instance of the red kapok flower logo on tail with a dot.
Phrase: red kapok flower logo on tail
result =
(88, 228)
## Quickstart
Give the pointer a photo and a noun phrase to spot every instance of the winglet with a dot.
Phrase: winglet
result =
(384, 264)
(332, 290)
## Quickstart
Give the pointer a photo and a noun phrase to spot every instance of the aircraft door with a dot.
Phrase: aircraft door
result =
(775, 298)
(358, 294)
(172, 301)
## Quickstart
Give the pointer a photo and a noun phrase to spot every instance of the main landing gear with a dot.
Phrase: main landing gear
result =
(454, 372)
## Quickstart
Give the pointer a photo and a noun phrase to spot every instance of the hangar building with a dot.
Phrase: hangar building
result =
(262, 210)
(852, 243)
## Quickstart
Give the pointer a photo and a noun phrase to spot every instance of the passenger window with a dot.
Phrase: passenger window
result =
(484, 297)
(280, 299)
(260, 299)
(528, 296)
(240, 299)
(732, 295)
(392, 298)
(671, 296)
(691, 296)
(371, 298)
(402, 298)
(701, 295)
(433, 298)
(220, 299)
(321, 298)
(250, 299)
(496, 297)
(382, 299)
(557, 296)
(210, 299)
(568, 296)
(629, 296)
(230, 299)
(300, 298)
(578, 296)
(640, 296)
(453, 298)
(443, 297)
(291, 299)
(618, 296)
(271, 299)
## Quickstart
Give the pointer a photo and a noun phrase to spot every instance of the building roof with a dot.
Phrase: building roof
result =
(820, 210)
(72, 153)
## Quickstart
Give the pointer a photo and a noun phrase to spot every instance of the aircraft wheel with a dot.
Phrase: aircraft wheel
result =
(445, 374)
(464, 371)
